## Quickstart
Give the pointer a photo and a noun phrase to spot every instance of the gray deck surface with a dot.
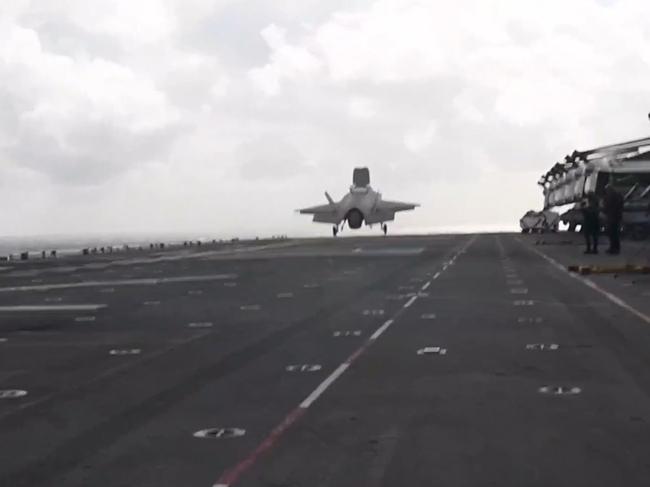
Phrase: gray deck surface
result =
(388, 416)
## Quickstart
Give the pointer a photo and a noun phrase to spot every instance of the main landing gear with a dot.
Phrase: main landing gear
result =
(335, 230)
(384, 227)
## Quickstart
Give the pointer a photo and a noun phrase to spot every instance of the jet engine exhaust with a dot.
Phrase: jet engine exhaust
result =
(354, 218)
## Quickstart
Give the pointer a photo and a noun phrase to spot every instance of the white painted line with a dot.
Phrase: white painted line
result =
(108, 290)
(426, 285)
(121, 282)
(3, 340)
(588, 282)
(410, 302)
(195, 292)
(53, 300)
(230, 284)
(436, 275)
(84, 319)
(428, 316)
(52, 307)
(381, 330)
(285, 295)
(322, 387)
(151, 303)
(12, 393)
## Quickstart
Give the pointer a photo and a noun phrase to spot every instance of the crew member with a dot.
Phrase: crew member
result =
(590, 225)
(614, 214)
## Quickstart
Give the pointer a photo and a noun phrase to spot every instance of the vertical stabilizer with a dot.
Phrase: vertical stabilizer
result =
(329, 198)
(361, 177)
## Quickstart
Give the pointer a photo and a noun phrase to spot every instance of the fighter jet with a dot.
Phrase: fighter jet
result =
(361, 204)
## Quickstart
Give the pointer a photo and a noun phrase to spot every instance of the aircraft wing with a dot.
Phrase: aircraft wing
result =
(394, 206)
(322, 213)
(384, 211)
(319, 209)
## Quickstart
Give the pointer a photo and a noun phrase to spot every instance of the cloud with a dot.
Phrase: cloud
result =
(68, 116)
(269, 157)
(169, 110)
(287, 62)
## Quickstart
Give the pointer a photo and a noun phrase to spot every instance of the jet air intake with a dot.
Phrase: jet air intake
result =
(354, 218)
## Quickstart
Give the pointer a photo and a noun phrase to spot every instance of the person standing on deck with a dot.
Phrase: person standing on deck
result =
(614, 214)
(590, 225)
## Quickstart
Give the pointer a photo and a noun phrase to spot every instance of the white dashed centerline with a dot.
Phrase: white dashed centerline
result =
(381, 330)
(322, 387)
(410, 302)
(232, 475)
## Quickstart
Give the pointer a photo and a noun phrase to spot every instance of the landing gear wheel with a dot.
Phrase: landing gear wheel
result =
(384, 227)
(335, 230)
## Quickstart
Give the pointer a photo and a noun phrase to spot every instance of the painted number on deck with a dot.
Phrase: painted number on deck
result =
(303, 368)
(347, 333)
(560, 390)
(200, 324)
(125, 351)
(250, 307)
(524, 319)
(543, 346)
(220, 433)
(519, 290)
(434, 350)
(373, 312)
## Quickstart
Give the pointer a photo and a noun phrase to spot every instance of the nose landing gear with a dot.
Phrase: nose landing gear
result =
(335, 231)
(384, 227)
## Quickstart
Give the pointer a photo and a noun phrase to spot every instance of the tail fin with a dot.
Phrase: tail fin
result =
(329, 198)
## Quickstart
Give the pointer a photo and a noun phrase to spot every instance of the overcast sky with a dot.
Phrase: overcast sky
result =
(222, 116)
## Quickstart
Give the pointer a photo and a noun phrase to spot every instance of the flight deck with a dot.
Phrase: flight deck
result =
(448, 360)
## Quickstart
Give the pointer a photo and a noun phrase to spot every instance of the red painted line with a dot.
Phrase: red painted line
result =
(357, 354)
(231, 476)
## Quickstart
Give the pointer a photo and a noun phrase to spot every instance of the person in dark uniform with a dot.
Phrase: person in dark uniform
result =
(614, 214)
(590, 225)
